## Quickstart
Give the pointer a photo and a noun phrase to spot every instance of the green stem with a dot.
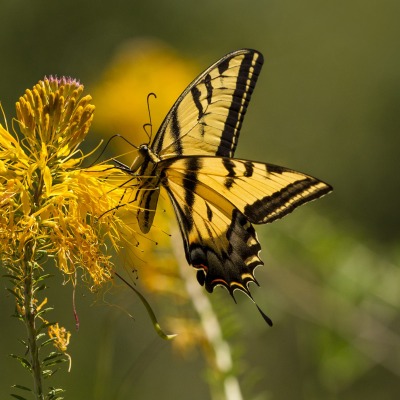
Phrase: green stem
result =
(29, 319)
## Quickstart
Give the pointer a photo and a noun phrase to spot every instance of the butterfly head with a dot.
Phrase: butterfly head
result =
(143, 149)
(145, 155)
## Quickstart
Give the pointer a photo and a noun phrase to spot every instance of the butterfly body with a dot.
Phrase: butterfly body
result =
(145, 167)
(216, 197)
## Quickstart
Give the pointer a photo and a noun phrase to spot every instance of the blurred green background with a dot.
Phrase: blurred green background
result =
(327, 103)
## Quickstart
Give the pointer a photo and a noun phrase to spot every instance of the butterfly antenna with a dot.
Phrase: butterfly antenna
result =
(129, 142)
(149, 124)
(102, 152)
(145, 126)
(106, 145)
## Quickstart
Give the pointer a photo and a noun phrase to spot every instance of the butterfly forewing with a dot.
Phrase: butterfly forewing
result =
(207, 117)
(262, 192)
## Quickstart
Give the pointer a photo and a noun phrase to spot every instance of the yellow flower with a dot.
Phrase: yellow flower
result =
(46, 199)
(53, 208)
(60, 336)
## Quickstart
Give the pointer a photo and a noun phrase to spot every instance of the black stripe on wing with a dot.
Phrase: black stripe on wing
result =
(284, 201)
(248, 74)
(207, 116)
(176, 133)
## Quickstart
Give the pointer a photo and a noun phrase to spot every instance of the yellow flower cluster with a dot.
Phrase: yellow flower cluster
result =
(60, 336)
(49, 205)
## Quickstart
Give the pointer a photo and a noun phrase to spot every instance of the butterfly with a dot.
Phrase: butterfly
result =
(217, 198)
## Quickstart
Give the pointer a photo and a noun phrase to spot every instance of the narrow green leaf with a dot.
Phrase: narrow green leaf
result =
(22, 387)
(54, 391)
(45, 325)
(48, 373)
(39, 336)
(12, 277)
(23, 342)
(149, 310)
(16, 295)
(52, 355)
(18, 397)
(55, 362)
(54, 394)
(40, 288)
(15, 269)
(24, 362)
(47, 342)
(43, 277)
(44, 311)
(18, 316)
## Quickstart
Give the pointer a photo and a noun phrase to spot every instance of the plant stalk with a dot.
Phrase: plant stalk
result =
(30, 323)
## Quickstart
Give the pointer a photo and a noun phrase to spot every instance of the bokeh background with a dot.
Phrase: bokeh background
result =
(327, 103)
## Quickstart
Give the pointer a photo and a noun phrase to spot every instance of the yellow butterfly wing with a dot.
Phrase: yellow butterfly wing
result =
(219, 241)
(205, 120)
(207, 117)
(262, 192)
(216, 200)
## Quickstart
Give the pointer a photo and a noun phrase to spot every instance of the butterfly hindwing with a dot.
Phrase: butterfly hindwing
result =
(207, 117)
(219, 241)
